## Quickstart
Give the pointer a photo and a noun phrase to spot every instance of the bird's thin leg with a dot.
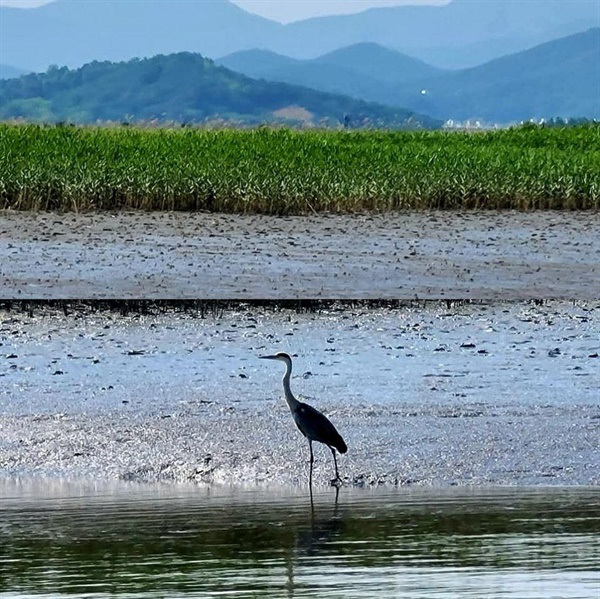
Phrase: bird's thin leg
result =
(312, 459)
(337, 478)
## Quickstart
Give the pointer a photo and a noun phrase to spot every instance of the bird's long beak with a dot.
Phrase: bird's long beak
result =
(268, 357)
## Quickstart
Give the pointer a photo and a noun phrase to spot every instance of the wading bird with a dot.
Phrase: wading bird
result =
(312, 424)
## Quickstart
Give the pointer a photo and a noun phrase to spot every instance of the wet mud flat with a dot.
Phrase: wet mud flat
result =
(499, 393)
(427, 255)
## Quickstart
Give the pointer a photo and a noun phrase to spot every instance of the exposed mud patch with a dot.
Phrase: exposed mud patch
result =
(471, 255)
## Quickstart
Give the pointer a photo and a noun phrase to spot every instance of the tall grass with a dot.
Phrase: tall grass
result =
(297, 172)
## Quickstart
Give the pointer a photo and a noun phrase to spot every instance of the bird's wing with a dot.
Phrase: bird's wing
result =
(317, 427)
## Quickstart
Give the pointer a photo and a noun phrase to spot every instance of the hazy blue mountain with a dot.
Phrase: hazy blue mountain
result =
(263, 64)
(8, 72)
(186, 88)
(462, 33)
(557, 79)
(374, 61)
(72, 33)
(364, 60)
(260, 64)
(366, 71)
(477, 53)
(434, 33)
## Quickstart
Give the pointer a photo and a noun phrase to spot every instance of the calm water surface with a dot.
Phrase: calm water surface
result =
(84, 540)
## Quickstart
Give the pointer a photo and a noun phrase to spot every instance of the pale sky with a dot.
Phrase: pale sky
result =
(284, 10)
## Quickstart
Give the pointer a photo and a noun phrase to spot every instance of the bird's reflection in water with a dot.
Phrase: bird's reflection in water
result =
(325, 524)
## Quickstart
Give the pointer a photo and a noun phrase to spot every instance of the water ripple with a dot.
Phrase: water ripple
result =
(132, 541)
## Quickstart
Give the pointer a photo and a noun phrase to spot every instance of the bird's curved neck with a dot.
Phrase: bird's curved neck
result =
(292, 402)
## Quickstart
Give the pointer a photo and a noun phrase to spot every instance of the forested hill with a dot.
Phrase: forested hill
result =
(186, 88)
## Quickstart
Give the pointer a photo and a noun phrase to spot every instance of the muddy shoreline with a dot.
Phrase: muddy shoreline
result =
(497, 393)
(400, 256)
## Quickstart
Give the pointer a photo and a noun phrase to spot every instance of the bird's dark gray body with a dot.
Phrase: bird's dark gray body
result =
(312, 424)
(317, 427)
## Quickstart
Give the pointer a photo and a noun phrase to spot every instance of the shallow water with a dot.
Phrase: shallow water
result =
(126, 540)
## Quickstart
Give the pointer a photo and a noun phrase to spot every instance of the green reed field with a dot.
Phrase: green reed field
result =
(297, 172)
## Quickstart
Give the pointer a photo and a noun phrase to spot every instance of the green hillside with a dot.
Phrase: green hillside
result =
(184, 88)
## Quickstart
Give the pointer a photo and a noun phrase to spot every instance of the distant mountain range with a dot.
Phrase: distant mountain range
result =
(361, 70)
(367, 71)
(558, 78)
(8, 72)
(184, 88)
(461, 34)
(522, 59)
